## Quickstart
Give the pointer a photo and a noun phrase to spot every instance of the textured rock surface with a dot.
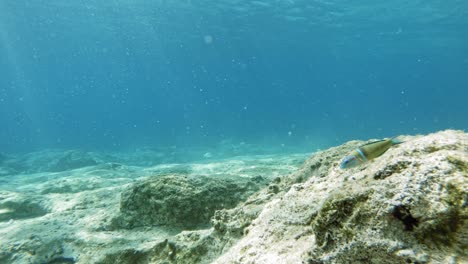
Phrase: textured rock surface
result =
(407, 206)
(183, 201)
(65, 217)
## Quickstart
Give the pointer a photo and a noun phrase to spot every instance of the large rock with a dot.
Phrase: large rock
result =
(407, 206)
(181, 201)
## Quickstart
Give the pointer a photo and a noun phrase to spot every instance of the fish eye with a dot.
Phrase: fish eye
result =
(347, 162)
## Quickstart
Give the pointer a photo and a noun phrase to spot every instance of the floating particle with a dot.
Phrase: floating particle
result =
(208, 39)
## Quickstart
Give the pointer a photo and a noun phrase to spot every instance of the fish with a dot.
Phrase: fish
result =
(368, 152)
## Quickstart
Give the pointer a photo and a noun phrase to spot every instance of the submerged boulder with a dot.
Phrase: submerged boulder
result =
(181, 201)
(407, 206)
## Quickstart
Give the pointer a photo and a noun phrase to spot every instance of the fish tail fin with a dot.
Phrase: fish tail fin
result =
(395, 140)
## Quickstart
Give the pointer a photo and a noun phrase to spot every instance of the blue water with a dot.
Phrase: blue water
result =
(301, 74)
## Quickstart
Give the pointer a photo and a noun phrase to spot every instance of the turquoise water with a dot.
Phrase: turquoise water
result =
(296, 75)
(98, 97)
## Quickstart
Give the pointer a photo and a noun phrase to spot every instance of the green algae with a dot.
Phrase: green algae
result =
(446, 228)
(338, 217)
(458, 163)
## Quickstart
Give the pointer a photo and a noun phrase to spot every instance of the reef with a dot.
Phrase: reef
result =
(407, 206)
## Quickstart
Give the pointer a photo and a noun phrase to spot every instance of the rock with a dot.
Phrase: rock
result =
(17, 206)
(188, 247)
(407, 206)
(36, 249)
(182, 201)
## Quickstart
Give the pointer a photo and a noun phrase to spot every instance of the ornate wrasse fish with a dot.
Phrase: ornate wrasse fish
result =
(367, 152)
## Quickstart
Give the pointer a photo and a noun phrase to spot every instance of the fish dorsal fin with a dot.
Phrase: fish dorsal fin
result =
(373, 142)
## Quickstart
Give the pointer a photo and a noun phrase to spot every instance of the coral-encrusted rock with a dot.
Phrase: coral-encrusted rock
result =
(181, 201)
(407, 206)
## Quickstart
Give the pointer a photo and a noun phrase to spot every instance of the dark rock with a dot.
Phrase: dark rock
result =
(125, 256)
(181, 201)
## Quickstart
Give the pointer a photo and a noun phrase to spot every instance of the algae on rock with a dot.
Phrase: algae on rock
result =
(181, 201)
(407, 206)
